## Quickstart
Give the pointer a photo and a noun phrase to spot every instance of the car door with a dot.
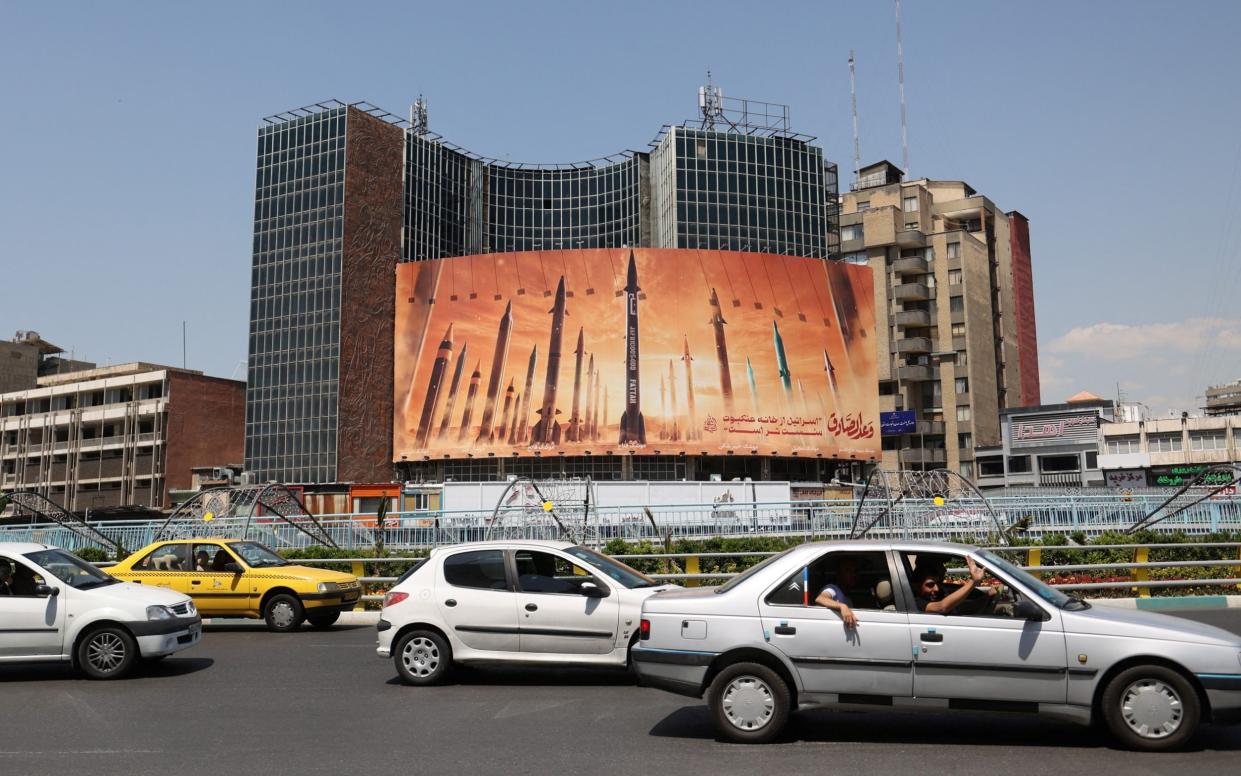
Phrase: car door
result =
(987, 656)
(555, 614)
(476, 599)
(873, 659)
(31, 625)
(215, 589)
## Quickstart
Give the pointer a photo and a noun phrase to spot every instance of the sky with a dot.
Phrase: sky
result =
(126, 193)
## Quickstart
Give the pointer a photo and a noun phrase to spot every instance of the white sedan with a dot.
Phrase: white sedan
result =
(54, 606)
(537, 602)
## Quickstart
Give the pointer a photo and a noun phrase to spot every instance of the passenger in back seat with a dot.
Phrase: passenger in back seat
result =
(838, 594)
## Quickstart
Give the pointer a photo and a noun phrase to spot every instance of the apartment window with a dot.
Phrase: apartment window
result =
(963, 385)
(1208, 440)
(956, 304)
(851, 232)
(911, 224)
(954, 277)
(965, 441)
(863, 205)
(1092, 460)
(954, 250)
(963, 413)
(910, 204)
(1018, 464)
(967, 469)
(1124, 445)
(992, 466)
(962, 358)
(1164, 443)
(958, 329)
(855, 258)
(1058, 463)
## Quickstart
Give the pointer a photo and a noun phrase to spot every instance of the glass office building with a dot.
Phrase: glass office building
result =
(344, 192)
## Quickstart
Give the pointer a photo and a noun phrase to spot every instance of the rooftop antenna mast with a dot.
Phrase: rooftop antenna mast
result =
(900, 74)
(857, 144)
(710, 103)
(418, 116)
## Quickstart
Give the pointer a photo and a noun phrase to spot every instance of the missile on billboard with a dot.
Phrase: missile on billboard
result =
(592, 423)
(605, 407)
(673, 434)
(431, 403)
(831, 379)
(575, 420)
(663, 408)
(547, 430)
(523, 414)
(721, 350)
(452, 392)
(749, 374)
(782, 361)
(508, 405)
(470, 397)
(632, 426)
(691, 426)
(513, 437)
(499, 362)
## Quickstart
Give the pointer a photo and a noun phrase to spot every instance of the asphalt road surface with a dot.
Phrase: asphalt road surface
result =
(252, 703)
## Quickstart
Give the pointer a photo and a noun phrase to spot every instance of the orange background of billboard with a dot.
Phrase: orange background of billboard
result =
(819, 306)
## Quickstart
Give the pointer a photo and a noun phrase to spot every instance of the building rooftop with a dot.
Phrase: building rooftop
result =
(116, 370)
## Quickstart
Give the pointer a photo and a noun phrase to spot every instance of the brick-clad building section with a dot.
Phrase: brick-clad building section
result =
(370, 252)
(205, 426)
(1023, 293)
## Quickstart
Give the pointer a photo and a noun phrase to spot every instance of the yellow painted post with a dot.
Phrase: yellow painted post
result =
(359, 570)
(692, 567)
(1141, 555)
(1034, 557)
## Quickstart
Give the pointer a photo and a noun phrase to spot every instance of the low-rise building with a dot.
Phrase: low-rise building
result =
(119, 435)
(1051, 445)
(1169, 452)
(1224, 399)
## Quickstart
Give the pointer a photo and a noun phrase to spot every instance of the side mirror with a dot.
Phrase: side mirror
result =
(46, 591)
(234, 568)
(592, 590)
(1026, 609)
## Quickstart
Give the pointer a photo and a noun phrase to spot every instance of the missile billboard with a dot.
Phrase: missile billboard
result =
(637, 349)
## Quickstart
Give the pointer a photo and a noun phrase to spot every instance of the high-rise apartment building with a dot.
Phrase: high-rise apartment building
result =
(953, 273)
(345, 192)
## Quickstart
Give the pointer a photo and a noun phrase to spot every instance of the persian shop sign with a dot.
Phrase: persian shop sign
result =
(1056, 428)
(634, 351)
(897, 423)
(1176, 476)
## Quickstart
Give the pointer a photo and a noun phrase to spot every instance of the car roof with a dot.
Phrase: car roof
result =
(24, 547)
(904, 545)
(542, 544)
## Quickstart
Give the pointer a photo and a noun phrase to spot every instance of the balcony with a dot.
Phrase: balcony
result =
(916, 372)
(911, 292)
(930, 427)
(922, 455)
(914, 345)
(910, 265)
(910, 238)
(912, 318)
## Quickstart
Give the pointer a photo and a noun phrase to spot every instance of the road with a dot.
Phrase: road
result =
(249, 702)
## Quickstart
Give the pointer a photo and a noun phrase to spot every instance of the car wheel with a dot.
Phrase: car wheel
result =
(322, 621)
(422, 658)
(283, 613)
(749, 702)
(107, 652)
(1151, 708)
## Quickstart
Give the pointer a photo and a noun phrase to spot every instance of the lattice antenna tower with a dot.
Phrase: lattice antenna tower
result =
(900, 75)
(857, 143)
(418, 117)
(710, 103)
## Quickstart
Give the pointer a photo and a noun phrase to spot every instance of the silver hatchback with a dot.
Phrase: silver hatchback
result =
(931, 626)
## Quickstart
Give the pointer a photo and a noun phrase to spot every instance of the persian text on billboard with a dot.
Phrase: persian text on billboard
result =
(644, 351)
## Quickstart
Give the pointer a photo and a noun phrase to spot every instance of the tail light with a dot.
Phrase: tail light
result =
(644, 629)
(394, 598)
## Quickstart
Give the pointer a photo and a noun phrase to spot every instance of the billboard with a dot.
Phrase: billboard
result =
(634, 351)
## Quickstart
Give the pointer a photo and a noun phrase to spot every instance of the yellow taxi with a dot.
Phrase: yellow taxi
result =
(235, 578)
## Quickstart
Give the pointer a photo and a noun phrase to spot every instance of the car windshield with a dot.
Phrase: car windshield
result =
(751, 571)
(256, 555)
(629, 577)
(71, 569)
(1033, 583)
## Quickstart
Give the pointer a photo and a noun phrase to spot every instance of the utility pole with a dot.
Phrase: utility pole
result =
(900, 73)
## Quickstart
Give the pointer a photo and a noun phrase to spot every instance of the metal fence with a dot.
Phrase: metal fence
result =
(964, 520)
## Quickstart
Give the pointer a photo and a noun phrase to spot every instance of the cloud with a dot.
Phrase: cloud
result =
(1123, 341)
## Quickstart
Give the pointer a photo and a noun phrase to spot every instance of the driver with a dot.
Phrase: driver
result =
(929, 593)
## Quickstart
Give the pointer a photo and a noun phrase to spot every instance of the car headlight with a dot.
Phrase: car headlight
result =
(159, 613)
(328, 587)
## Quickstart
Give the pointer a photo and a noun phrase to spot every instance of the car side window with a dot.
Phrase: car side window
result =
(477, 568)
(211, 558)
(858, 579)
(990, 598)
(167, 557)
(544, 572)
(17, 579)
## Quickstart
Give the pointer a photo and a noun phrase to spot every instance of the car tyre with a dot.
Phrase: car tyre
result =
(1151, 708)
(322, 621)
(107, 652)
(283, 613)
(749, 703)
(422, 658)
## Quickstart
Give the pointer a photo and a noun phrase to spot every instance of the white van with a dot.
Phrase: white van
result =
(54, 606)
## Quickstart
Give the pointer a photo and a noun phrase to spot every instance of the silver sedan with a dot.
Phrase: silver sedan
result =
(931, 626)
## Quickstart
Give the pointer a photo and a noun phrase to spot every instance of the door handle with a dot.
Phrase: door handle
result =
(785, 630)
(450, 602)
(532, 607)
(195, 581)
(933, 637)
